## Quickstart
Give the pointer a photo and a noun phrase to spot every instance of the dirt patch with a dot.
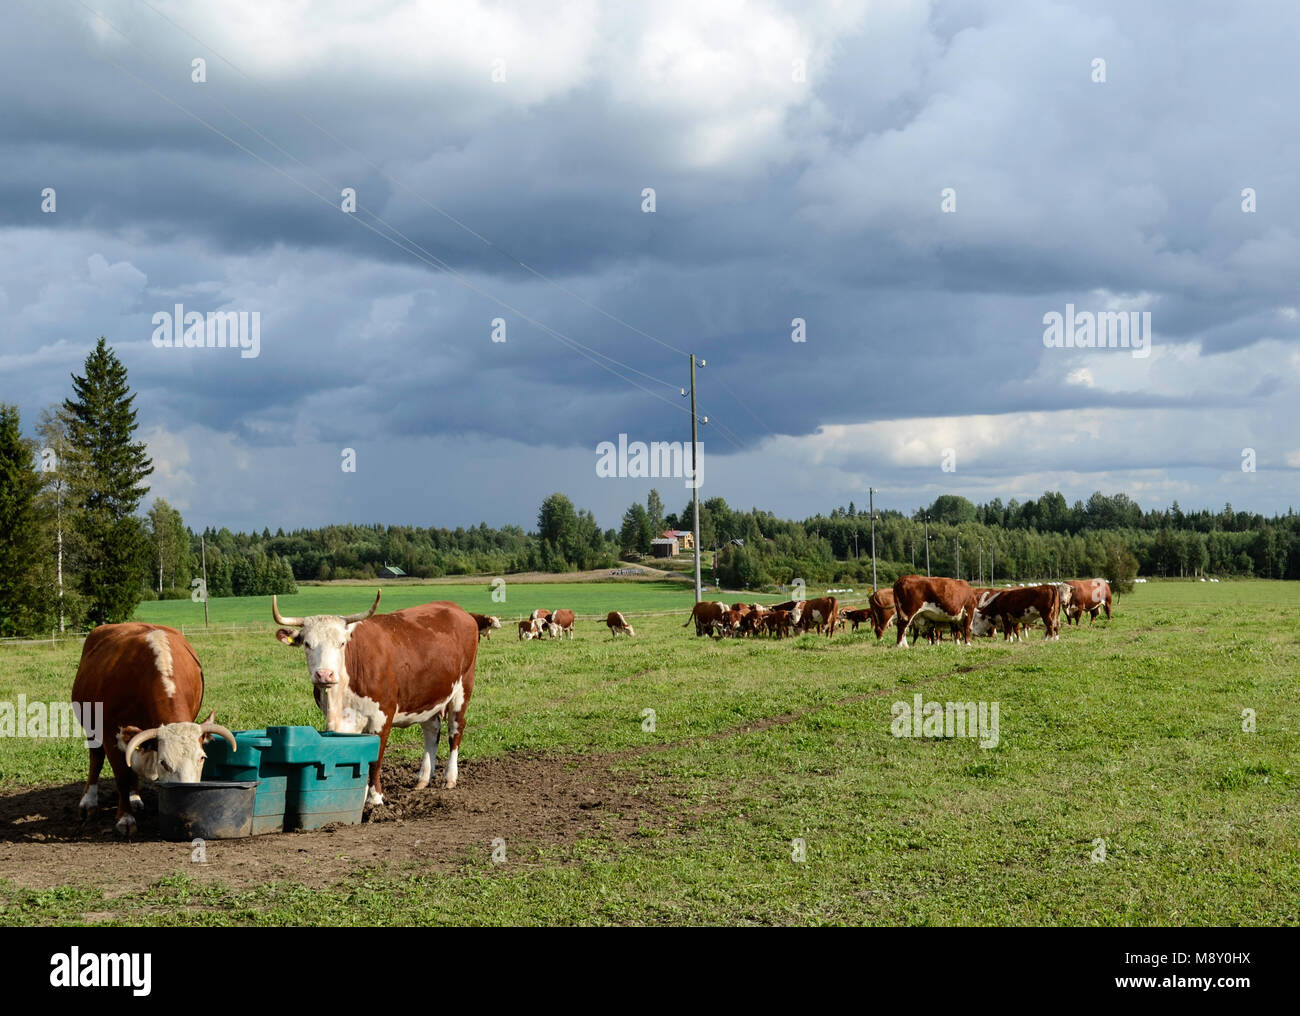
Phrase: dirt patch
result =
(529, 801)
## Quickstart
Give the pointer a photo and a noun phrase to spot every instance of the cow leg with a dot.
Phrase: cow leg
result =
(455, 727)
(432, 732)
(126, 794)
(902, 624)
(375, 795)
(90, 799)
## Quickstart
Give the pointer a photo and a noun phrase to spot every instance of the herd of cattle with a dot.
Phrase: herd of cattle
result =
(372, 673)
(917, 604)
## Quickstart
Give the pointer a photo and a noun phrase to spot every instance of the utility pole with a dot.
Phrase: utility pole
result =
(981, 564)
(991, 550)
(927, 545)
(956, 546)
(695, 477)
(871, 498)
(203, 549)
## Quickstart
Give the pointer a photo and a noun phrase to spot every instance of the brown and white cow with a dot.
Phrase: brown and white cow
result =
(881, 605)
(1012, 608)
(708, 615)
(564, 620)
(616, 623)
(855, 616)
(777, 622)
(820, 612)
(1091, 595)
(530, 628)
(372, 673)
(933, 600)
(151, 685)
(540, 614)
(486, 624)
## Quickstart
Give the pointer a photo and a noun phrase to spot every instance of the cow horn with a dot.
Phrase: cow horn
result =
(292, 622)
(208, 727)
(138, 740)
(353, 618)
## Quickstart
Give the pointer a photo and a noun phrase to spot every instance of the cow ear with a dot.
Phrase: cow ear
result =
(288, 637)
(128, 733)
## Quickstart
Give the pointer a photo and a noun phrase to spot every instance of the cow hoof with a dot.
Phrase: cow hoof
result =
(450, 784)
(136, 803)
(89, 803)
(126, 826)
(373, 799)
(421, 784)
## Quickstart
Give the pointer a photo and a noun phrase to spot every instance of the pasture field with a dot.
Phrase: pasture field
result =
(1129, 733)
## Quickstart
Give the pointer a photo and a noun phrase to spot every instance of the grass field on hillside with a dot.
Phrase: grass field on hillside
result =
(1129, 733)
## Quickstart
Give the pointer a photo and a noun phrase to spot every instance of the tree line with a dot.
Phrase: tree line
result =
(76, 552)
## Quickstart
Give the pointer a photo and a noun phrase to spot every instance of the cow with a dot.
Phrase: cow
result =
(540, 614)
(529, 629)
(1091, 595)
(707, 615)
(822, 611)
(151, 685)
(881, 605)
(1015, 607)
(917, 597)
(371, 673)
(777, 622)
(553, 630)
(563, 619)
(485, 625)
(618, 623)
(855, 616)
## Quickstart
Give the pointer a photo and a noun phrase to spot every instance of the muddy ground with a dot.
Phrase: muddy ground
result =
(529, 801)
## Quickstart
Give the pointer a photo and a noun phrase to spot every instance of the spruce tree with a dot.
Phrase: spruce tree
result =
(106, 478)
(26, 601)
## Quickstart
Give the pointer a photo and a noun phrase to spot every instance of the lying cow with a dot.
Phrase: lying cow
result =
(617, 623)
(934, 600)
(372, 673)
(151, 684)
(1012, 608)
(486, 625)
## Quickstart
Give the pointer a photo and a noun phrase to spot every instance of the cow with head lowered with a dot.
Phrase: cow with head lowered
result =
(918, 598)
(151, 685)
(372, 673)
(1014, 608)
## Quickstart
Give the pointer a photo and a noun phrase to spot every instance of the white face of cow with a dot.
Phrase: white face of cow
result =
(494, 622)
(325, 640)
(175, 756)
(981, 624)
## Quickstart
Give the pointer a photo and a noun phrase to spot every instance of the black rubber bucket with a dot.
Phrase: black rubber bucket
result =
(206, 811)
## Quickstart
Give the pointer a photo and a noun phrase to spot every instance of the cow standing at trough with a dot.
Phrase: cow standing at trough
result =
(370, 674)
(151, 684)
(918, 598)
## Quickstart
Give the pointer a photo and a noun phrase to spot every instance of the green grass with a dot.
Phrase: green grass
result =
(1131, 733)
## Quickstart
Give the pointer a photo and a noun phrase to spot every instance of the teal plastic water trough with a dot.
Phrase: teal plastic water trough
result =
(307, 778)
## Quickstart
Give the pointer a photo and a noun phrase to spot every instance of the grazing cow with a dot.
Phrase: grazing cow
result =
(151, 685)
(372, 673)
(554, 630)
(618, 623)
(1089, 595)
(752, 623)
(529, 629)
(564, 618)
(1015, 607)
(707, 615)
(881, 605)
(486, 624)
(540, 614)
(917, 597)
(856, 616)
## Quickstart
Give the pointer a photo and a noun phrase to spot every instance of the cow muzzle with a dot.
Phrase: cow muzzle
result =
(324, 678)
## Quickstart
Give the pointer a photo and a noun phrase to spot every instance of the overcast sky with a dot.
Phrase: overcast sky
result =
(799, 157)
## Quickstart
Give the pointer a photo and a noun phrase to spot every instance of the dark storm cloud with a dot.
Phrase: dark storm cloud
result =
(772, 204)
